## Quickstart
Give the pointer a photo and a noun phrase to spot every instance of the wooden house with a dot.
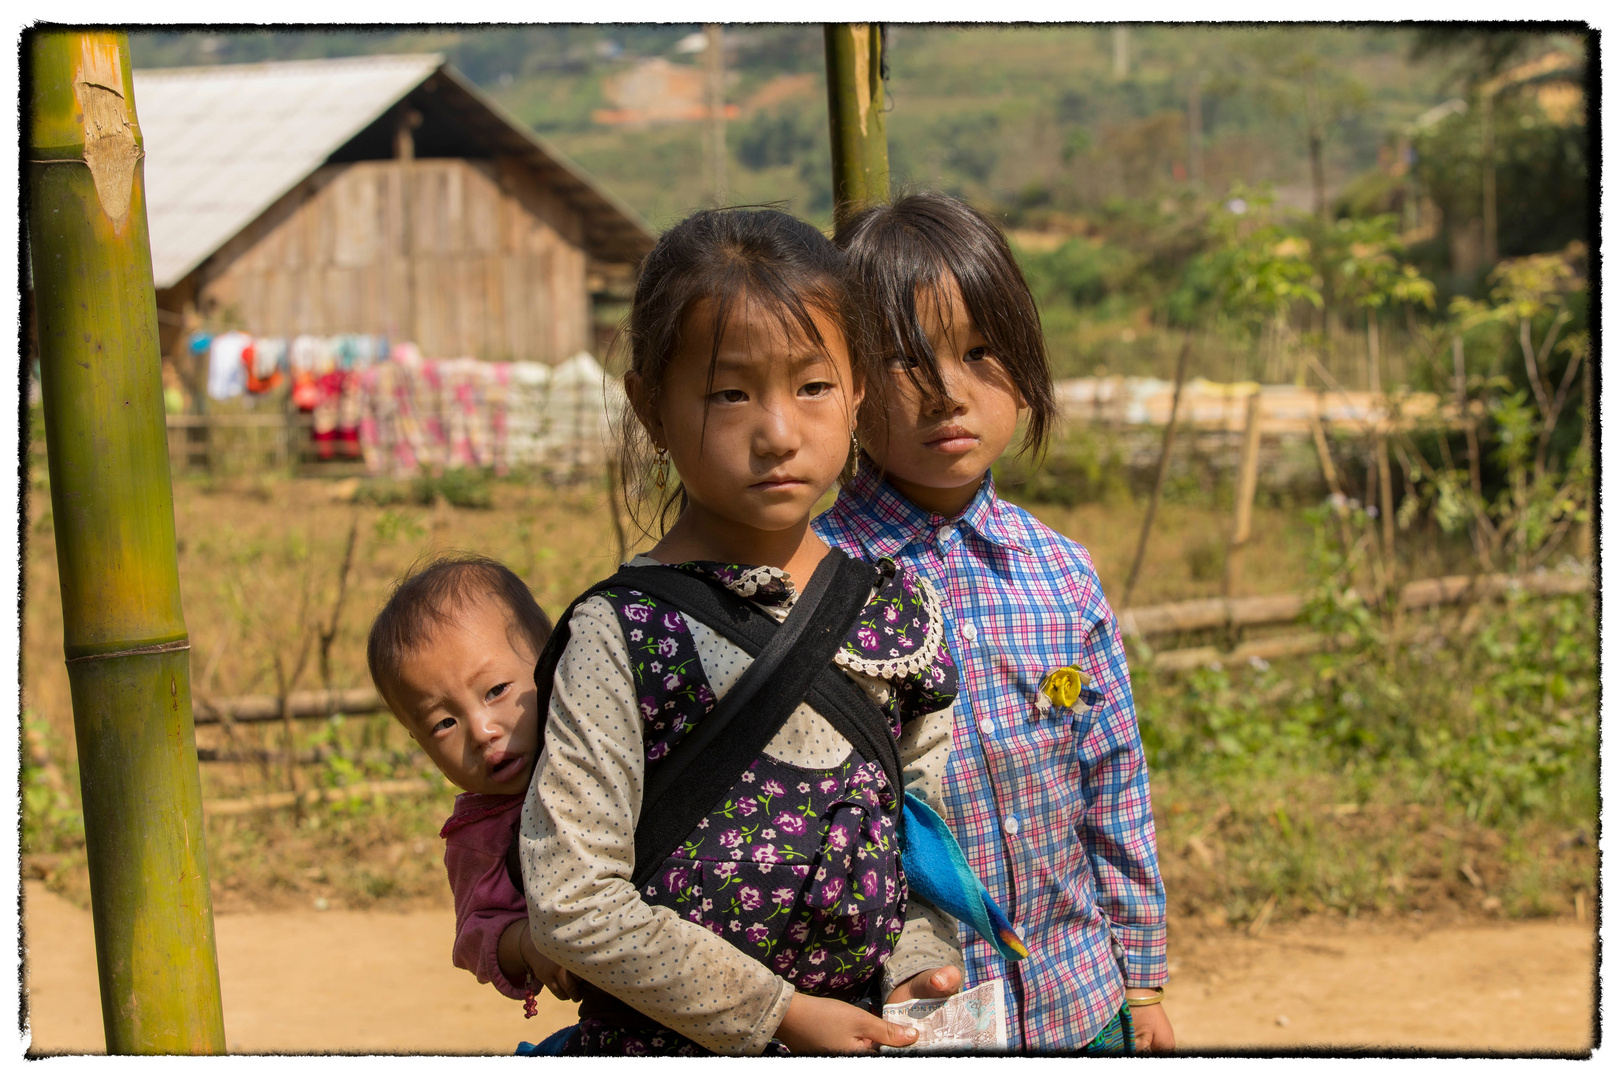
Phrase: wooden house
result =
(371, 195)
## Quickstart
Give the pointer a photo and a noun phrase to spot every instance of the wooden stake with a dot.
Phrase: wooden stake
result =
(1386, 503)
(1341, 508)
(1163, 470)
(1386, 493)
(1243, 511)
(1325, 456)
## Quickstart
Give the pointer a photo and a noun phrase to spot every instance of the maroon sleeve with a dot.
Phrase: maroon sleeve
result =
(486, 901)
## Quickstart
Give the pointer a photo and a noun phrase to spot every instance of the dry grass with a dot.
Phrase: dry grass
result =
(259, 559)
(251, 550)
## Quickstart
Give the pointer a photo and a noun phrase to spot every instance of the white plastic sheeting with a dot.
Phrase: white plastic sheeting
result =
(564, 418)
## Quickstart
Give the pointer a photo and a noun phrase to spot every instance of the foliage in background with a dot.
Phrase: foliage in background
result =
(1482, 720)
(1529, 481)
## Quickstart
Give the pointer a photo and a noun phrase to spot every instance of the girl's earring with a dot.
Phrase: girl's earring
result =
(661, 469)
(854, 447)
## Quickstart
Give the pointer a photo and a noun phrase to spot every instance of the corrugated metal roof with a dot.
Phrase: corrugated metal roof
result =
(223, 143)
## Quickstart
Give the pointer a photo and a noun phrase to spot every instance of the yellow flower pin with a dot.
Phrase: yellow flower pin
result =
(1062, 686)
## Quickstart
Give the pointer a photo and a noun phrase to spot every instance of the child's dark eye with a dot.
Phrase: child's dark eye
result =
(496, 691)
(816, 389)
(730, 397)
(901, 363)
(981, 353)
(444, 725)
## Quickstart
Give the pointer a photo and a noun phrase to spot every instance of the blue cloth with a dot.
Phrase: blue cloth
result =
(938, 872)
(551, 1046)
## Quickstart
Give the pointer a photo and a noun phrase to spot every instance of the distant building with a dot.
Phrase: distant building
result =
(371, 195)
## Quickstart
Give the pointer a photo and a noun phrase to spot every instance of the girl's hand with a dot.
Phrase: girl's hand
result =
(816, 1025)
(934, 983)
(564, 986)
(1152, 1028)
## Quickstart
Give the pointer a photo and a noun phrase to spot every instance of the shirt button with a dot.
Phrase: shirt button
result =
(1010, 823)
(943, 534)
(987, 726)
(970, 631)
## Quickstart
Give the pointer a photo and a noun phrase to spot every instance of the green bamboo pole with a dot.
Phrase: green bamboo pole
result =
(123, 632)
(860, 143)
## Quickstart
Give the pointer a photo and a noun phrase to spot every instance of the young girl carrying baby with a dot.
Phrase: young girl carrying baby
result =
(786, 904)
(1047, 787)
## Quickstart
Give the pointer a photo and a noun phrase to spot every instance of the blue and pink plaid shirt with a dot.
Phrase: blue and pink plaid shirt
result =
(1052, 806)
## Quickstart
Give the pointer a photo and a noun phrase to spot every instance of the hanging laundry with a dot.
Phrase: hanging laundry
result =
(304, 359)
(388, 428)
(346, 349)
(260, 363)
(433, 414)
(303, 355)
(348, 418)
(329, 389)
(525, 421)
(227, 378)
(306, 394)
(269, 357)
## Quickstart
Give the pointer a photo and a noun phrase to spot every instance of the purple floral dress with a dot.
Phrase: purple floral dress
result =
(797, 867)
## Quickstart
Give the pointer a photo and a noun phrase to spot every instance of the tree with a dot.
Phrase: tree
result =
(1298, 82)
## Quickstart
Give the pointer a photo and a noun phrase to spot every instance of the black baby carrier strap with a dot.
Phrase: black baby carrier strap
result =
(792, 664)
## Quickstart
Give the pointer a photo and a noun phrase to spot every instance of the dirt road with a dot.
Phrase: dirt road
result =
(341, 980)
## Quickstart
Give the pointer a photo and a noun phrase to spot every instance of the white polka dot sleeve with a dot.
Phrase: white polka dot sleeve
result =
(577, 841)
(930, 938)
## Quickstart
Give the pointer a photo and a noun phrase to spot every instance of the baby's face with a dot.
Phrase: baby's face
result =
(468, 698)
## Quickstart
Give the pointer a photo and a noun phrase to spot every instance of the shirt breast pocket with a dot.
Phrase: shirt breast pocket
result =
(1038, 748)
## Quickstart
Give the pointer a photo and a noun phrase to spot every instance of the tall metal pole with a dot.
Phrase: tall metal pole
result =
(1487, 101)
(860, 143)
(123, 632)
(717, 109)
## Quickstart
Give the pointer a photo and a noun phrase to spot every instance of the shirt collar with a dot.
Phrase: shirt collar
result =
(887, 521)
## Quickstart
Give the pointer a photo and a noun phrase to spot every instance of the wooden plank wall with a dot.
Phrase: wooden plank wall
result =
(466, 258)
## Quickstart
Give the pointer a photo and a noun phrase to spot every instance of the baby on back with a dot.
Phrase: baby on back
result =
(453, 653)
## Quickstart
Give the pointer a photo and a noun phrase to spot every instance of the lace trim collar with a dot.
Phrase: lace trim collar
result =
(899, 632)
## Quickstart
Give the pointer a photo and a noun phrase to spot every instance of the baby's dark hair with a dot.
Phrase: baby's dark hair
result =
(725, 256)
(916, 245)
(431, 596)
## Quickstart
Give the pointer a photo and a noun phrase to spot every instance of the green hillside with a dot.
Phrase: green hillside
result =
(1117, 162)
(1009, 116)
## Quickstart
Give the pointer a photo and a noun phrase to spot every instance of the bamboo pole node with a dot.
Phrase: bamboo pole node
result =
(145, 650)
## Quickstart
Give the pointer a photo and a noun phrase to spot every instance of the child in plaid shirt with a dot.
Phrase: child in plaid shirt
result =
(1048, 798)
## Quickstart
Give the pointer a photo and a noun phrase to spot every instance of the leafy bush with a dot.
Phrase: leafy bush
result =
(1496, 716)
(1083, 468)
(781, 137)
(468, 488)
(1080, 273)
(375, 491)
